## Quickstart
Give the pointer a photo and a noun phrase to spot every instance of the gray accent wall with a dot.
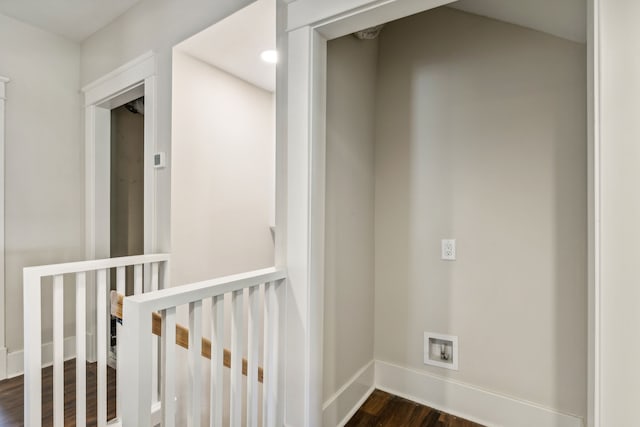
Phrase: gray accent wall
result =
(480, 135)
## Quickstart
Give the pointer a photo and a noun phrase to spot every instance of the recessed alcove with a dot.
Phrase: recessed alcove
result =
(452, 125)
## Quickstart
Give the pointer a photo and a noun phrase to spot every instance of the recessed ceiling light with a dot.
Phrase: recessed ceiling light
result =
(270, 56)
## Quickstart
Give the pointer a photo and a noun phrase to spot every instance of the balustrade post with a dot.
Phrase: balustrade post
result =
(136, 365)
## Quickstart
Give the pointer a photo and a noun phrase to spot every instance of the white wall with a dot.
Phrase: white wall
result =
(619, 198)
(222, 150)
(481, 137)
(155, 25)
(348, 299)
(44, 199)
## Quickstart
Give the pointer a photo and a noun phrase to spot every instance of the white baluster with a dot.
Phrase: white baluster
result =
(165, 275)
(81, 349)
(217, 360)
(32, 351)
(121, 288)
(137, 279)
(252, 358)
(136, 341)
(168, 376)
(270, 380)
(195, 362)
(276, 405)
(58, 351)
(266, 358)
(102, 336)
(121, 280)
(236, 358)
(154, 276)
(155, 372)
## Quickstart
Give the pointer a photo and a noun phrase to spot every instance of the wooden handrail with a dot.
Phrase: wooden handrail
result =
(182, 335)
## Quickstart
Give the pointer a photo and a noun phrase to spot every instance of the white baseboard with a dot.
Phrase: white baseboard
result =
(3, 363)
(340, 407)
(467, 401)
(15, 359)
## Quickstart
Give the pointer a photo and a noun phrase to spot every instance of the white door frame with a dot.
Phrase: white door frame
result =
(310, 25)
(3, 343)
(130, 81)
(594, 203)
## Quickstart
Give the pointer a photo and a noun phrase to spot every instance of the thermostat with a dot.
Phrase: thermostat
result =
(159, 160)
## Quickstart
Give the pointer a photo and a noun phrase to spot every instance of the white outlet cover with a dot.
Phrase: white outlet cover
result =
(448, 250)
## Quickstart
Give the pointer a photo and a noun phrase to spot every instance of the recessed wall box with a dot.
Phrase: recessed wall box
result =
(441, 350)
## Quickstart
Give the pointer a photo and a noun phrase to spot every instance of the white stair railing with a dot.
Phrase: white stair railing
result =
(137, 350)
(93, 273)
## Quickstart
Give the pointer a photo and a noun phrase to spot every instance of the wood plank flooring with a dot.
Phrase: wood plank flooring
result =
(384, 409)
(12, 397)
(381, 409)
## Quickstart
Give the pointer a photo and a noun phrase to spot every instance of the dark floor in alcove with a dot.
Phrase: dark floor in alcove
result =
(384, 409)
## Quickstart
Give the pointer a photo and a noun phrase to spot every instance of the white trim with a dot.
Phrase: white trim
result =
(92, 265)
(150, 148)
(3, 348)
(467, 401)
(15, 359)
(594, 212)
(298, 368)
(339, 408)
(317, 165)
(305, 12)
(120, 80)
(336, 18)
(97, 181)
(198, 291)
(281, 96)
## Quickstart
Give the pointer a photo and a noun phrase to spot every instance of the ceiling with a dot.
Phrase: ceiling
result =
(561, 18)
(73, 19)
(235, 44)
(252, 28)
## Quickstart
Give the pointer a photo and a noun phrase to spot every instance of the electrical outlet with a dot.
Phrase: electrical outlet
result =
(448, 250)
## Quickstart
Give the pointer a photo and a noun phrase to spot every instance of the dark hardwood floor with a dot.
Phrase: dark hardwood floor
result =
(384, 409)
(12, 395)
(381, 409)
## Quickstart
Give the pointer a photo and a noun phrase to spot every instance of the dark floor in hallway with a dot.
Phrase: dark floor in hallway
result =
(12, 395)
(384, 409)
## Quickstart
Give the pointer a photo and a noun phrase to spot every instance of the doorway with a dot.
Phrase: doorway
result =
(127, 182)
(306, 104)
(132, 85)
(126, 197)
